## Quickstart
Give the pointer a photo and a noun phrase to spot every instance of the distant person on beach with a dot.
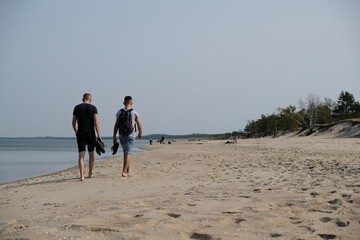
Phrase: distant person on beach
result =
(151, 141)
(127, 124)
(86, 117)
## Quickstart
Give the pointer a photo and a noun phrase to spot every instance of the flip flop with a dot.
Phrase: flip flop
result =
(115, 147)
(100, 147)
(97, 148)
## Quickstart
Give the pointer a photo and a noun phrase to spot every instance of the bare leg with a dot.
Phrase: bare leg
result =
(81, 165)
(91, 163)
(126, 166)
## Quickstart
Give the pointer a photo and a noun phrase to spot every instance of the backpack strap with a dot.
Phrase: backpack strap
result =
(124, 110)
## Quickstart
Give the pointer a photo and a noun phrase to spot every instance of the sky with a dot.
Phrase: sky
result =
(201, 66)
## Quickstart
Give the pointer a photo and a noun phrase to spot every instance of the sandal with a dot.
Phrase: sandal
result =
(115, 147)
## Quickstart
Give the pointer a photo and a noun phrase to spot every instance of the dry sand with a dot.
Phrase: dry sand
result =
(284, 188)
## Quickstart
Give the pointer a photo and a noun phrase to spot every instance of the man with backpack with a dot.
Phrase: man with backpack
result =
(127, 123)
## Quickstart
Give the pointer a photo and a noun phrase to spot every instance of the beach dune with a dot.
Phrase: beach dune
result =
(283, 188)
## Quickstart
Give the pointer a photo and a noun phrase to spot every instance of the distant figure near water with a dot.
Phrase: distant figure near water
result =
(162, 140)
(85, 120)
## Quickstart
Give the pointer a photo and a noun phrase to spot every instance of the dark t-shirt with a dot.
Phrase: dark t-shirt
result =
(84, 114)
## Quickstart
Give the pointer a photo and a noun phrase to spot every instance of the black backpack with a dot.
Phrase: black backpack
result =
(126, 126)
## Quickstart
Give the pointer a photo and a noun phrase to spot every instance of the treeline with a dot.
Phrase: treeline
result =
(311, 113)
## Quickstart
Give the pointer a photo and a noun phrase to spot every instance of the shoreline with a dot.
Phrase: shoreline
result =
(142, 149)
(37, 159)
(284, 188)
(56, 172)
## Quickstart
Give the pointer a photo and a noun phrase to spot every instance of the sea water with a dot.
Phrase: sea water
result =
(22, 158)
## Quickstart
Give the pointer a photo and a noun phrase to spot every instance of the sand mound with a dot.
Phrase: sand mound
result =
(343, 129)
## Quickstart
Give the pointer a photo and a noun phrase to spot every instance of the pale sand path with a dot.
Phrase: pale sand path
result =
(285, 188)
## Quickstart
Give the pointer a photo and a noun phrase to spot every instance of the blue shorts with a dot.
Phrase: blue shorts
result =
(127, 143)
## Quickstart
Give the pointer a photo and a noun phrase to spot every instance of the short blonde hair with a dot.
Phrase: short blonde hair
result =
(86, 96)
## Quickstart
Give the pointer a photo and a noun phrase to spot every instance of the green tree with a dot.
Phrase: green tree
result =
(346, 106)
(356, 110)
(324, 112)
(345, 103)
(288, 119)
(311, 112)
(251, 128)
(267, 125)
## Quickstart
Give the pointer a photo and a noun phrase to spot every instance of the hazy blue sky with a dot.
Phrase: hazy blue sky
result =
(191, 66)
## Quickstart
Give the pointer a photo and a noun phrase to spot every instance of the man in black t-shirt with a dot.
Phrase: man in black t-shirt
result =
(86, 117)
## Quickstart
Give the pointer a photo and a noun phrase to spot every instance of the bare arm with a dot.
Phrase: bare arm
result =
(74, 123)
(97, 125)
(138, 123)
(116, 128)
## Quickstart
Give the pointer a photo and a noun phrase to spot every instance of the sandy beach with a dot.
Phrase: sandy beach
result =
(283, 188)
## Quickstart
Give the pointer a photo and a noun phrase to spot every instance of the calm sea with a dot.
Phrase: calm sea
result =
(22, 158)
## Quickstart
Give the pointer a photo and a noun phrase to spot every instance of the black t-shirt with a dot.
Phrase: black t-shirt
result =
(84, 114)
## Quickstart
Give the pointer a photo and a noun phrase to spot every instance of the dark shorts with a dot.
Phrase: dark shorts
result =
(86, 139)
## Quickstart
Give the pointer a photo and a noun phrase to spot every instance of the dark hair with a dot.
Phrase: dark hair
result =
(86, 96)
(127, 99)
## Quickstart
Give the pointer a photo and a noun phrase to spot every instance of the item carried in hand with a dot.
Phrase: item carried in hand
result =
(100, 147)
(115, 147)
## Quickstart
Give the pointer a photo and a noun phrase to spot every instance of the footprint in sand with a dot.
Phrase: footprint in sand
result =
(327, 236)
(244, 196)
(347, 198)
(174, 215)
(325, 219)
(310, 229)
(275, 235)
(342, 224)
(335, 203)
(338, 222)
(295, 220)
(239, 220)
(314, 194)
(201, 236)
